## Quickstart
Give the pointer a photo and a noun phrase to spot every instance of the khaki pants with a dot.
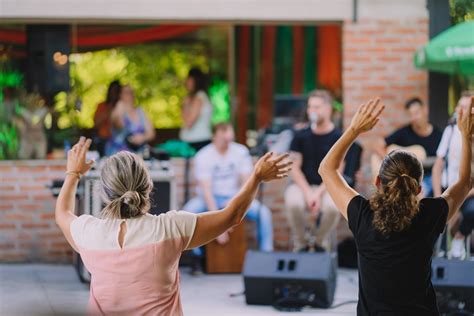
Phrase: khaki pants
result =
(299, 218)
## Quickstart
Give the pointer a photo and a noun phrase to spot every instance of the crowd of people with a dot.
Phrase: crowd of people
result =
(123, 125)
(221, 165)
(133, 256)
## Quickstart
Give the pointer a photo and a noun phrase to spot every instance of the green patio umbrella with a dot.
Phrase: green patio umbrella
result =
(451, 52)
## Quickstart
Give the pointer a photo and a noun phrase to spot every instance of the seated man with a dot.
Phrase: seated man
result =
(220, 168)
(419, 131)
(308, 148)
(446, 172)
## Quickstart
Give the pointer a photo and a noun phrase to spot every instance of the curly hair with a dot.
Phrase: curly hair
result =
(395, 202)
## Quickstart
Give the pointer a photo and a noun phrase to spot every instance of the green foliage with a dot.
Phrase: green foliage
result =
(156, 72)
(461, 10)
(219, 93)
(9, 141)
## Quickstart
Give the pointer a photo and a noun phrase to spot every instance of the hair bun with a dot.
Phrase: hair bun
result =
(131, 198)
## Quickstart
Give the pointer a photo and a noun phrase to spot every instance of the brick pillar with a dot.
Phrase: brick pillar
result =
(378, 62)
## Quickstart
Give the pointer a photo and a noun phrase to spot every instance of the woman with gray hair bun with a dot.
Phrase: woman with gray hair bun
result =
(132, 255)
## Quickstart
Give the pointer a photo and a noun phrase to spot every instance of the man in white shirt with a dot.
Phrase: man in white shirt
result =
(220, 168)
(446, 172)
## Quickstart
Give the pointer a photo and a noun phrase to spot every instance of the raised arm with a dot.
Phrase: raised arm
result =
(436, 173)
(364, 120)
(212, 224)
(76, 167)
(457, 193)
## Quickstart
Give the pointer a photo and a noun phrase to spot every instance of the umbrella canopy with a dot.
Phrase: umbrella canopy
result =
(451, 52)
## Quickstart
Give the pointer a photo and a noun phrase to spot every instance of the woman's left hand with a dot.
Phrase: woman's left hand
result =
(76, 157)
(367, 116)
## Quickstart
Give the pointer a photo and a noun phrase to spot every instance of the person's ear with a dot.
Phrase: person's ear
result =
(419, 190)
(377, 181)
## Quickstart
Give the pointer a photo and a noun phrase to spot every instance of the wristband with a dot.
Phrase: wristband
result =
(74, 173)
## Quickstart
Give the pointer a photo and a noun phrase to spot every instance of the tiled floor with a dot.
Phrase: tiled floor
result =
(40, 289)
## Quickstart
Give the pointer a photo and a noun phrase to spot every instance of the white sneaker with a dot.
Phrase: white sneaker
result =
(458, 249)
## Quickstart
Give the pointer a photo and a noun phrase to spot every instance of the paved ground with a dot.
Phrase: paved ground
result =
(40, 289)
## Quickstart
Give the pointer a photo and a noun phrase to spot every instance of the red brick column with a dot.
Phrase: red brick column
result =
(378, 62)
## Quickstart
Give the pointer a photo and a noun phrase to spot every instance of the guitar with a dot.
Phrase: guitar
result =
(417, 150)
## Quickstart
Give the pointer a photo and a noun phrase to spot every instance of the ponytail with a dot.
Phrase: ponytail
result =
(395, 202)
(126, 186)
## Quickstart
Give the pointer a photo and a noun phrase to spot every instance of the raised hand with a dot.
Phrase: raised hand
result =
(367, 116)
(268, 169)
(465, 122)
(76, 157)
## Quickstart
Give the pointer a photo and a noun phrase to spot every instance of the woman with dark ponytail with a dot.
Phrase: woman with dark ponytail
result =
(395, 231)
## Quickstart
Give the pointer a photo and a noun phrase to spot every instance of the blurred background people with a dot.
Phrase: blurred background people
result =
(446, 173)
(419, 131)
(307, 192)
(131, 129)
(30, 124)
(220, 169)
(103, 114)
(196, 111)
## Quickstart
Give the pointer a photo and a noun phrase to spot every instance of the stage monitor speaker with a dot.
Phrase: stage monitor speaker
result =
(453, 281)
(294, 278)
(48, 48)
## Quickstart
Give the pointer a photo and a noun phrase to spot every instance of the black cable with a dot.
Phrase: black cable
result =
(344, 303)
(237, 294)
(293, 304)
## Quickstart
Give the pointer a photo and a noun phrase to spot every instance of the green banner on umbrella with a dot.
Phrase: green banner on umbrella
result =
(451, 52)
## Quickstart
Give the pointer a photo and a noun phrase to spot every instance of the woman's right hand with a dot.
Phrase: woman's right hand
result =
(465, 123)
(267, 169)
(367, 116)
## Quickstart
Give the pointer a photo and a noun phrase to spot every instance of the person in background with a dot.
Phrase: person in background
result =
(30, 123)
(131, 129)
(220, 169)
(307, 192)
(419, 131)
(102, 116)
(446, 173)
(395, 231)
(133, 256)
(196, 111)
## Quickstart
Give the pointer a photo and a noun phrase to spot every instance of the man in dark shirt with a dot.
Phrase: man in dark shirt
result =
(418, 132)
(307, 192)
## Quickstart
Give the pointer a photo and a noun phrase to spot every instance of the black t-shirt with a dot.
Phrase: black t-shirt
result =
(313, 147)
(395, 271)
(406, 136)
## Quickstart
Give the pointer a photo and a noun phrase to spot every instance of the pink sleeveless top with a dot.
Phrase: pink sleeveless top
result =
(142, 278)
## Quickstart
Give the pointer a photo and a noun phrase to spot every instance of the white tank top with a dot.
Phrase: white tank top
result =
(201, 129)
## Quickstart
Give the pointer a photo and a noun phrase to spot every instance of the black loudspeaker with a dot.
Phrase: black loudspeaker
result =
(291, 279)
(453, 281)
(48, 48)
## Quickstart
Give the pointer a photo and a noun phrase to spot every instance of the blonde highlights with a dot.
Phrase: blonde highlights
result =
(126, 186)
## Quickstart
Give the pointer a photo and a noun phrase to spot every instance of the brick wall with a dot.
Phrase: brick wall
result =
(378, 62)
(27, 228)
(28, 232)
